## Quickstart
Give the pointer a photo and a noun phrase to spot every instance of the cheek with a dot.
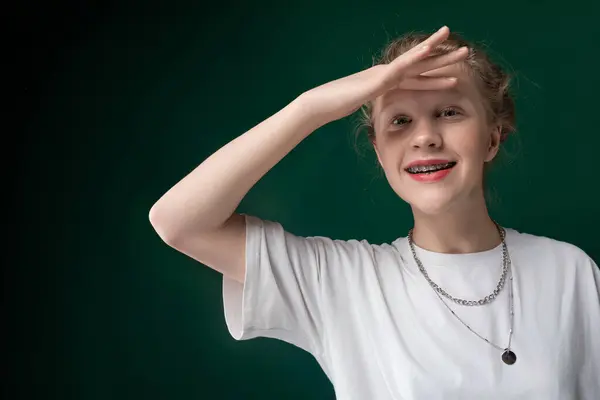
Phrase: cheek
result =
(470, 144)
(391, 153)
(388, 159)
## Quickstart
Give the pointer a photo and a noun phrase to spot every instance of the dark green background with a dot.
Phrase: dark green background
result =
(122, 100)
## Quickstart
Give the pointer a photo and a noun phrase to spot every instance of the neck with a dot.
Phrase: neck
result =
(465, 229)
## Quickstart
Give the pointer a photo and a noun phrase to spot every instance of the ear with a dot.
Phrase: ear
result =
(494, 143)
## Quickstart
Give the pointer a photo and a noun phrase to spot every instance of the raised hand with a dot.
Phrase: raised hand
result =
(342, 97)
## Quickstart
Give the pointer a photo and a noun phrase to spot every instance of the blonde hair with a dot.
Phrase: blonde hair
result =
(493, 81)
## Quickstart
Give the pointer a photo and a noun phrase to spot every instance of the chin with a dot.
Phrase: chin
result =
(431, 207)
(430, 200)
(439, 200)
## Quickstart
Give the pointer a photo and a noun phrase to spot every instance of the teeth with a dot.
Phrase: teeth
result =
(429, 168)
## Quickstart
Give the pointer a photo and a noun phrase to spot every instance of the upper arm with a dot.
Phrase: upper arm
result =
(223, 250)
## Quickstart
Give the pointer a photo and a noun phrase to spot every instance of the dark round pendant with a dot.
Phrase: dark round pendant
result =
(509, 357)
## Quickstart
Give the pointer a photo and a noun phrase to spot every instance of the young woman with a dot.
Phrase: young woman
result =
(458, 308)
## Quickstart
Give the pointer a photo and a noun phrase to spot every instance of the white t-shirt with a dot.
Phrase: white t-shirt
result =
(379, 331)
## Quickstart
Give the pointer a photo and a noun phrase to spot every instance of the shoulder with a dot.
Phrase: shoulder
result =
(357, 252)
(535, 243)
(546, 252)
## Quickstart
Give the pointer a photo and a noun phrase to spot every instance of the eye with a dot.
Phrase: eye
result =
(450, 112)
(400, 120)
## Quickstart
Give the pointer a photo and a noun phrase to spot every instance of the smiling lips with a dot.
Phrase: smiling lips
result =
(429, 170)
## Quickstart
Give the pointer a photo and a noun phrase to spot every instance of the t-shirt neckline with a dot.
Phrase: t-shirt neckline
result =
(429, 258)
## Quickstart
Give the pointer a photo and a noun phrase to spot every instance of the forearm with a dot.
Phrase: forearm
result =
(205, 198)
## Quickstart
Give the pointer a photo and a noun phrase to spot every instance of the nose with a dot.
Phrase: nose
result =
(426, 135)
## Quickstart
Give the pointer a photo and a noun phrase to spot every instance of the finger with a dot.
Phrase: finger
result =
(436, 38)
(427, 83)
(435, 62)
(402, 63)
(421, 50)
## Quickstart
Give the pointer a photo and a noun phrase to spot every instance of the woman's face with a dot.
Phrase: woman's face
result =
(447, 127)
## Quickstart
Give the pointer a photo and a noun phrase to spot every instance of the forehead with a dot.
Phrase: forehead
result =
(465, 88)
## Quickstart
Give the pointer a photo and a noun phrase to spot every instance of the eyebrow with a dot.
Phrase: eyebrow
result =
(452, 93)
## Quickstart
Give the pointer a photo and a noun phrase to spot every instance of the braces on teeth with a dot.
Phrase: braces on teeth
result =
(429, 168)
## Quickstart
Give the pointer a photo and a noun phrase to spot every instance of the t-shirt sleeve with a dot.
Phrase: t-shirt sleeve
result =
(588, 330)
(281, 296)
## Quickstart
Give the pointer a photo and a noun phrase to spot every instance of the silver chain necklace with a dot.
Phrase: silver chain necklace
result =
(487, 299)
(508, 356)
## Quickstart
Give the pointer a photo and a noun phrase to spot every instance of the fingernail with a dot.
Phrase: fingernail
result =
(442, 28)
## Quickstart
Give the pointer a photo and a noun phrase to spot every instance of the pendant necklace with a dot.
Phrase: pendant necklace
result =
(508, 356)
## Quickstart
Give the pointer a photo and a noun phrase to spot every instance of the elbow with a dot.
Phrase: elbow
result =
(162, 225)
